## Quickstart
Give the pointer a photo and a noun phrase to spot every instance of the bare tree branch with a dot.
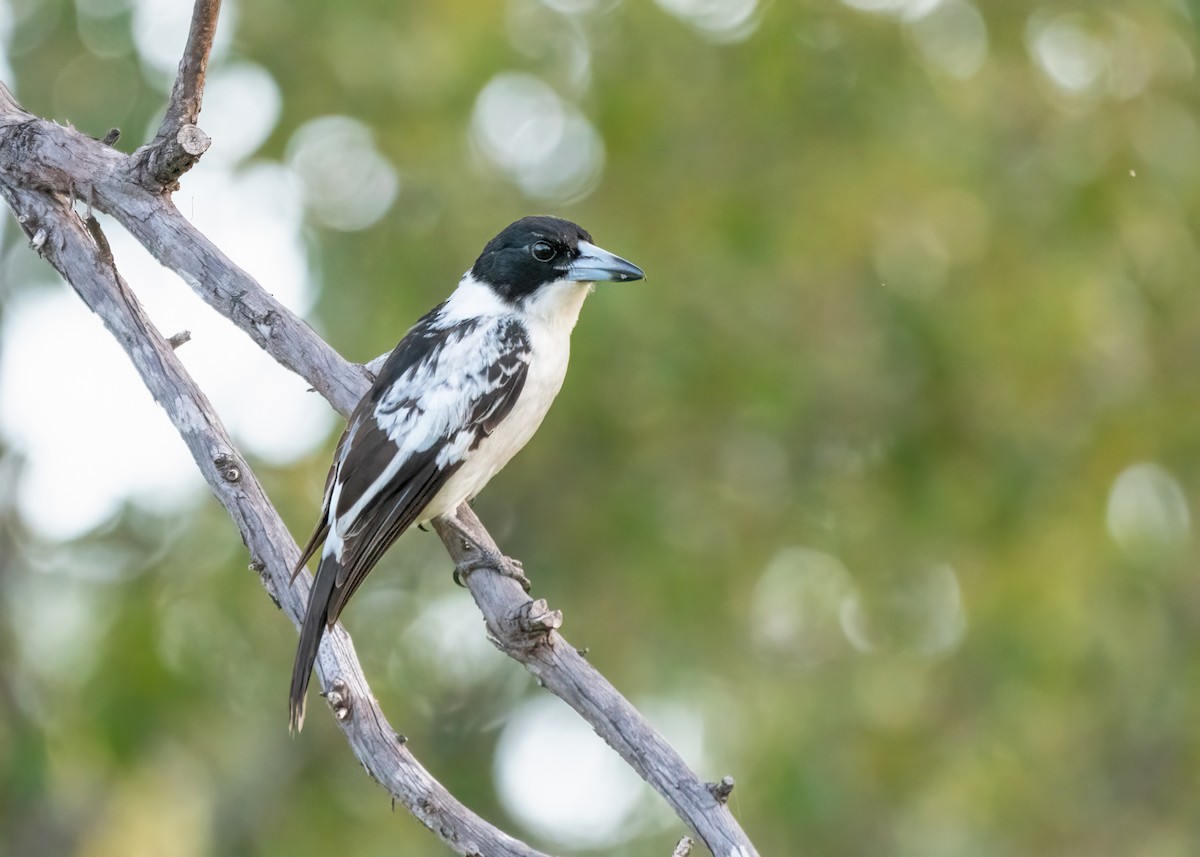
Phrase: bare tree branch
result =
(179, 143)
(42, 165)
(45, 156)
(188, 91)
(81, 255)
(526, 631)
(41, 155)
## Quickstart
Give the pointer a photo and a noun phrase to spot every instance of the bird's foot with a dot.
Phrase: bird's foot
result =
(499, 563)
(481, 556)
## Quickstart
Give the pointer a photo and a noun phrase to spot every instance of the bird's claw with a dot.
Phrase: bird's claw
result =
(504, 565)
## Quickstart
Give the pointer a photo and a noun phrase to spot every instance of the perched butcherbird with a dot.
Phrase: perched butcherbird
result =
(464, 390)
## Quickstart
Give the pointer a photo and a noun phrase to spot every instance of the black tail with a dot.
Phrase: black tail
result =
(311, 631)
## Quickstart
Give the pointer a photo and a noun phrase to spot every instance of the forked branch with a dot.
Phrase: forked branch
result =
(42, 167)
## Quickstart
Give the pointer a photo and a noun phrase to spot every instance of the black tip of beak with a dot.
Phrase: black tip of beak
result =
(598, 265)
(628, 274)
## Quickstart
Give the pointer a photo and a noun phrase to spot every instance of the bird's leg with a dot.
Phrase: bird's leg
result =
(484, 557)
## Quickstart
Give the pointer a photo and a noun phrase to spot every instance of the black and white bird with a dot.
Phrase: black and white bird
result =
(464, 390)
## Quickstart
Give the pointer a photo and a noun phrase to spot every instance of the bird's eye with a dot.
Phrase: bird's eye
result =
(543, 251)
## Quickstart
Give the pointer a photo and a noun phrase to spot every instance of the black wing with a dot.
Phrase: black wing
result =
(421, 344)
(442, 390)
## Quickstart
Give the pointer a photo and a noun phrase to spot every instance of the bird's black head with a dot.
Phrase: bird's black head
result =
(537, 251)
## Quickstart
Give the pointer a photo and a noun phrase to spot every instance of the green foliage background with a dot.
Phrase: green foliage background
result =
(902, 333)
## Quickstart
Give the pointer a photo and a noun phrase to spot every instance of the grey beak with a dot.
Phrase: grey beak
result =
(595, 265)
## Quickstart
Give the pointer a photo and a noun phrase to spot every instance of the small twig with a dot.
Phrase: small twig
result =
(179, 143)
(723, 789)
(683, 848)
(188, 91)
(340, 700)
(184, 336)
(106, 254)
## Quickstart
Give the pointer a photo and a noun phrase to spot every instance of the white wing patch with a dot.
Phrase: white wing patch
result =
(434, 399)
(433, 403)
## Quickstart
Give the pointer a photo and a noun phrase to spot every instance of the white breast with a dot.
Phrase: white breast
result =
(549, 321)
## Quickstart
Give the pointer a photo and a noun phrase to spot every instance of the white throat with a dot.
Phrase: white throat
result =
(554, 306)
(557, 304)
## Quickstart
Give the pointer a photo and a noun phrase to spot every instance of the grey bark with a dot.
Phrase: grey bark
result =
(77, 250)
(43, 166)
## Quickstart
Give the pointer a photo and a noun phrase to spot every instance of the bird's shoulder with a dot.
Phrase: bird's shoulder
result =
(446, 348)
